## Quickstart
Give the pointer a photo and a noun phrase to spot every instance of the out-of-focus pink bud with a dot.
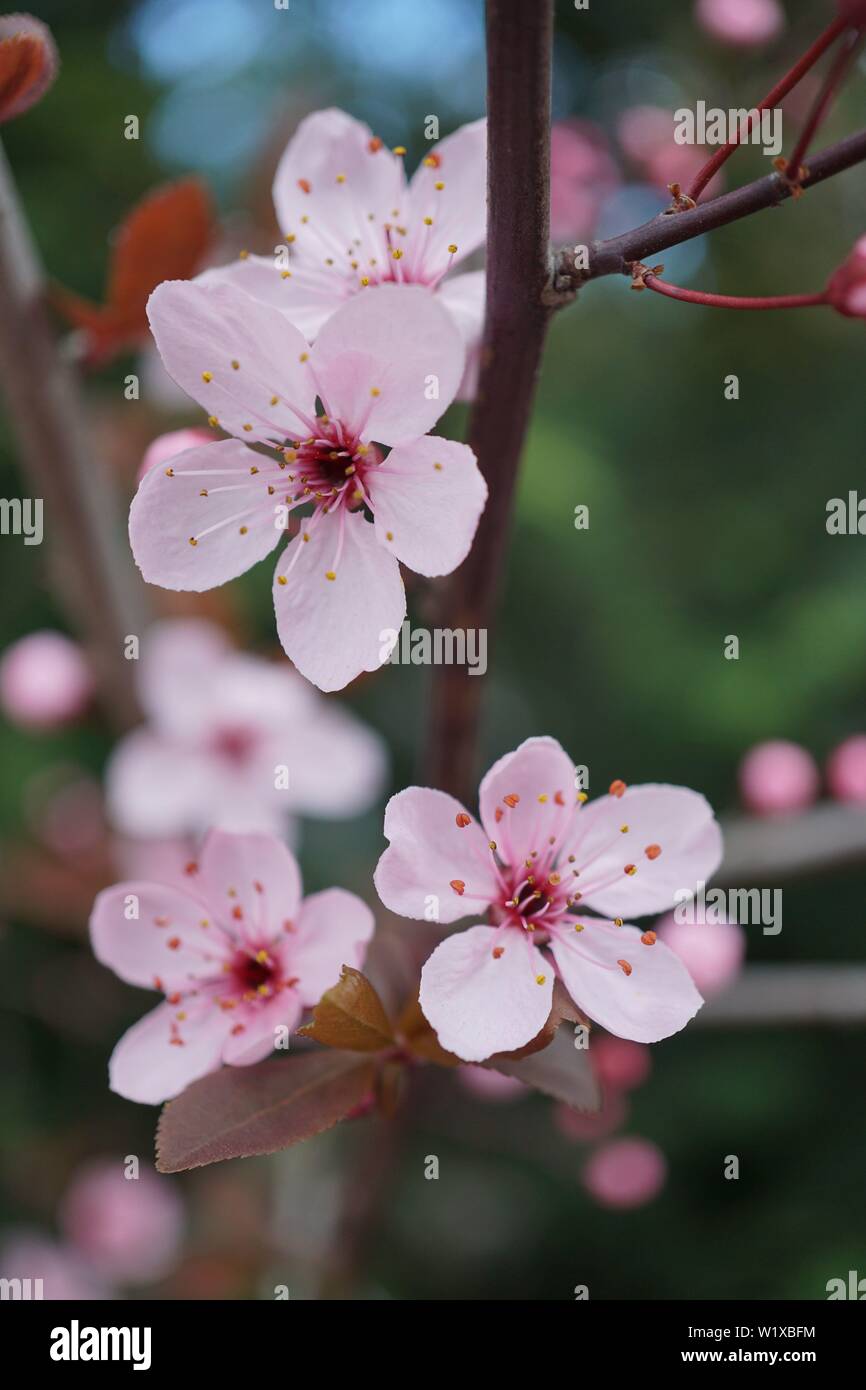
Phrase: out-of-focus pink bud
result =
(582, 175)
(852, 10)
(618, 1063)
(55, 1271)
(625, 1173)
(129, 1229)
(168, 446)
(486, 1084)
(846, 770)
(741, 23)
(846, 288)
(776, 777)
(712, 952)
(590, 1129)
(45, 681)
(646, 134)
(28, 63)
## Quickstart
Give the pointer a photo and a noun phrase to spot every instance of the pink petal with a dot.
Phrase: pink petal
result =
(655, 1000)
(335, 629)
(464, 298)
(156, 788)
(253, 880)
(459, 209)
(398, 341)
(539, 767)
(337, 765)
(676, 820)
(129, 1228)
(479, 1003)
(169, 510)
(326, 145)
(201, 330)
(254, 1034)
(332, 930)
(303, 295)
(427, 504)
(148, 1067)
(164, 946)
(166, 447)
(179, 661)
(429, 851)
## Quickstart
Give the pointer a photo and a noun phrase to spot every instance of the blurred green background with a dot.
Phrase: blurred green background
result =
(707, 518)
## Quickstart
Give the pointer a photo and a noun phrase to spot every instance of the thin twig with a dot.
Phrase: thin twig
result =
(617, 255)
(774, 996)
(519, 41)
(92, 568)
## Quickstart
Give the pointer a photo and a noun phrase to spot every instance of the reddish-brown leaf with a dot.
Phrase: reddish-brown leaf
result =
(420, 1038)
(561, 1070)
(350, 1015)
(28, 63)
(165, 237)
(238, 1112)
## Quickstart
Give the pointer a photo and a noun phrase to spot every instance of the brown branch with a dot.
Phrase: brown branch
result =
(790, 995)
(616, 255)
(519, 41)
(94, 578)
(827, 838)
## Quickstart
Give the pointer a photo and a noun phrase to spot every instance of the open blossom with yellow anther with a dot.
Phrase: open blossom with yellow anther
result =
(351, 219)
(238, 954)
(381, 372)
(541, 860)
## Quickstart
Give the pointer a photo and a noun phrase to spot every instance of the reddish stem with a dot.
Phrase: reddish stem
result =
(773, 97)
(732, 301)
(833, 81)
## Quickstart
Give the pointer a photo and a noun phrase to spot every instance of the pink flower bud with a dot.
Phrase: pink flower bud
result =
(168, 446)
(128, 1228)
(741, 23)
(625, 1173)
(846, 770)
(618, 1063)
(28, 63)
(712, 952)
(846, 288)
(776, 777)
(45, 681)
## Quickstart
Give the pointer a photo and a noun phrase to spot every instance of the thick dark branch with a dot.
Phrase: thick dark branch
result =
(519, 40)
(615, 256)
(91, 564)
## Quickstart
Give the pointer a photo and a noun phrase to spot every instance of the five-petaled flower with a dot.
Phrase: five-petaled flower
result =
(234, 742)
(382, 370)
(538, 861)
(239, 955)
(350, 219)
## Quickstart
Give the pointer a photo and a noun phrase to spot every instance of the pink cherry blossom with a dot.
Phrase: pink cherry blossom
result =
(846, 770)
(846, 289)
(536, 862)
(220, 726)
(128, 1228)
(384, 367)
(167, 446)
(45, 681)
(238, 955)
(741, 23)
(712, 952)
(777, 777)
(625, 1173)
(350, 219)
(582, 174)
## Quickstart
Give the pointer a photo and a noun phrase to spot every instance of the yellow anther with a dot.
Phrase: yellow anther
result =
(329, 574)
(285, 275)
(399, 149)
(213, 422)
(439, 185)
(453, 249)
(207, 376)
(374, 391)
(169, 472)
(539, 979)
(281, 579)
(193, 541)
(428, 221)
(235, 365)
